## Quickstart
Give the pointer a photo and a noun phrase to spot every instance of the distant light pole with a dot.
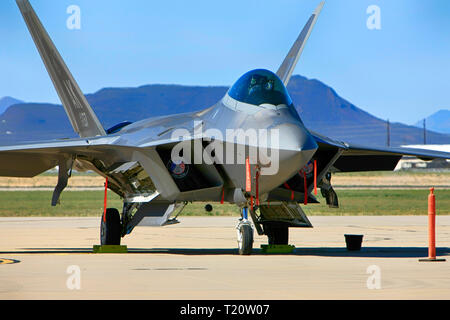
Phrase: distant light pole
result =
(424, 131)
(388, 127)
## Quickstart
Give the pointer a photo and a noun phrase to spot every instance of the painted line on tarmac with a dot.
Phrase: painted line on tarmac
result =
(387, 187)
(46, 253)
(14, 189)
(336, 187)
(9, 261)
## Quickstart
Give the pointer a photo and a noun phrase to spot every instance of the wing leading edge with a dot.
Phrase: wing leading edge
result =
(30, 160)
(100, 154)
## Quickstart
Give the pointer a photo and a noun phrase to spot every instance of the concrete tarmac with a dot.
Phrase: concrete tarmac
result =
(198, 259)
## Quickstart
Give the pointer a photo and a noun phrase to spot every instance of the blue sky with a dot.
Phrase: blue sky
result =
(399, 72)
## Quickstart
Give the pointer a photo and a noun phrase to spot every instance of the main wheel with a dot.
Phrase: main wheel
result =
(111, 228)
(245, 239)
(278, 233)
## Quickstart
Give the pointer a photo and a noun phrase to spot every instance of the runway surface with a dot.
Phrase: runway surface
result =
(197, 259)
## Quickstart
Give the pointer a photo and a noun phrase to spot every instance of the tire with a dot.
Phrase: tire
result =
(111, 229)
(277, 233)
(245, 239)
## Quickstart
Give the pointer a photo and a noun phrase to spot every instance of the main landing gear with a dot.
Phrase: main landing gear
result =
(111, 228)
(277, 233)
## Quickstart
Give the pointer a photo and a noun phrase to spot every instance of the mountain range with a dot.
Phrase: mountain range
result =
(6, 102)
(320, 107)
(439, 122)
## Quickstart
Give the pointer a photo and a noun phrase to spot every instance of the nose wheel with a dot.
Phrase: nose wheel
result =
(245, 234)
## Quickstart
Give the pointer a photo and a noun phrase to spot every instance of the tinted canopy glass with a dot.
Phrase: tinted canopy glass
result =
(259, 87)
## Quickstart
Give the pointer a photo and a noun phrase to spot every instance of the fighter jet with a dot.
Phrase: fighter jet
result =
(250, 149)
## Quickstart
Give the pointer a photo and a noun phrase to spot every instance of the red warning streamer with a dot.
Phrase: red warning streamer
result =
(257, 187)
(289, 188)
(305, 188)
(105, 200)
(248, 176)
(315, 177)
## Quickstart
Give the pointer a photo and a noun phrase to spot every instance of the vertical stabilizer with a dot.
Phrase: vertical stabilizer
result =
(80, 113)
(289, 64)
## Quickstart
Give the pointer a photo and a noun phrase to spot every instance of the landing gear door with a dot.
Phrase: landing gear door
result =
(155, 168)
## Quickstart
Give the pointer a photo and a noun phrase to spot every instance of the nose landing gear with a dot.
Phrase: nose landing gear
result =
(245, 234)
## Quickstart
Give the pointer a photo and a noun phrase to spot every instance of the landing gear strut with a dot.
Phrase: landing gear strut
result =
(277, 232)
(245, 234)
(110, 228)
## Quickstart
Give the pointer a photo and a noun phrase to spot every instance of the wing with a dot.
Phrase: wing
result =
(336, 156)
(290, 62)
(82, 117)
(120, 163)
(32, 159)
(355, 158)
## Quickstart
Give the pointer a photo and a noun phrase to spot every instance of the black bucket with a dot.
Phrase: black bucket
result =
(353, 241)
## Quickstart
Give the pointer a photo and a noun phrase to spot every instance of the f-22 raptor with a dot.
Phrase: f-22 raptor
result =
(250, 149)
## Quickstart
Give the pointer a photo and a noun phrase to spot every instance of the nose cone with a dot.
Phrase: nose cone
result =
(296, 148)
(294, 137)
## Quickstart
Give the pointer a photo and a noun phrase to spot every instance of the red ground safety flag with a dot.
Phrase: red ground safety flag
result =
(248, 176)
(105, 200)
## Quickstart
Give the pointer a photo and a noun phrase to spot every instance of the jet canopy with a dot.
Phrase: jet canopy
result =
(260, 87)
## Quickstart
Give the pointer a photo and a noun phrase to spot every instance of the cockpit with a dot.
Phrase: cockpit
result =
(259, 87)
